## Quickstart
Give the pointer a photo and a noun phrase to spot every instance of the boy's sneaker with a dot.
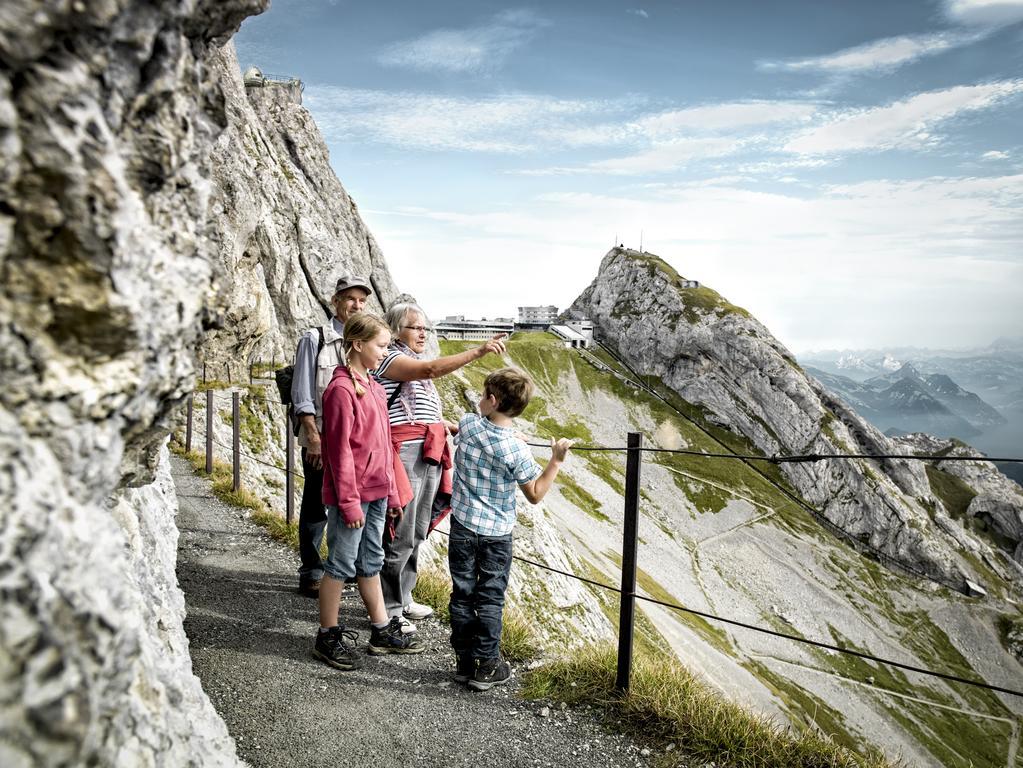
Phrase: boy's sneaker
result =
(465, 668)
(336, 646)
(391, 639)
(489, 673)
(418, 611)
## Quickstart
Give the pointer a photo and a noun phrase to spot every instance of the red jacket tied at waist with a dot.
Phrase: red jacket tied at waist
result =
(435, 451)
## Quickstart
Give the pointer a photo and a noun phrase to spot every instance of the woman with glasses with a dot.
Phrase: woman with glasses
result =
(419, 433)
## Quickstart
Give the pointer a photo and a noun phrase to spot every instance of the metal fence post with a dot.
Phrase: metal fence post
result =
(289, 466)
(188, 425)
(236, 464)
(209, 431)
(630, 536)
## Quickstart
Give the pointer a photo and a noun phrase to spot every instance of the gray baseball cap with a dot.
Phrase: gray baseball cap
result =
(353, 281)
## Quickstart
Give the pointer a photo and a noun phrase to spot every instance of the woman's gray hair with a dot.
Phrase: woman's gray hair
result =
(396, 315)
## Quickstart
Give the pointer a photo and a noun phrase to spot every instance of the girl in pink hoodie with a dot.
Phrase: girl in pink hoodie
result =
(358, 490)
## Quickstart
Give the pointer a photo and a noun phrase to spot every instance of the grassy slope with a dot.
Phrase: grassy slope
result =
(946, 735)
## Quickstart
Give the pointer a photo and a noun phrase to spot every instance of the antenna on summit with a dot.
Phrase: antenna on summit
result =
(641, 241)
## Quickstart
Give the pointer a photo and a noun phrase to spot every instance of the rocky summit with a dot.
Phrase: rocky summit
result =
(716, 356)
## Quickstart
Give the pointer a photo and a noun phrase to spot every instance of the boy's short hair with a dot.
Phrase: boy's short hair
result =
(512, 388)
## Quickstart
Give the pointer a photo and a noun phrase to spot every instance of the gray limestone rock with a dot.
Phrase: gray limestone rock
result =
(717, 356)
(108, 112)
(285, 227)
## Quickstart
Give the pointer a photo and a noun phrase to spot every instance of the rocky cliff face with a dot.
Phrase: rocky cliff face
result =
(717, 356)
(286, 228)
(108, 113)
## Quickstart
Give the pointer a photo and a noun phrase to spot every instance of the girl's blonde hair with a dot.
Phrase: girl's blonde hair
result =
(364, 327)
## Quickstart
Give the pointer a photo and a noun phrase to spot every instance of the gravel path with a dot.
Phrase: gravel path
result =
(251, 638)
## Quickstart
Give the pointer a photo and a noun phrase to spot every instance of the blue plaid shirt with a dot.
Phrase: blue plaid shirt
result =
(489, 462)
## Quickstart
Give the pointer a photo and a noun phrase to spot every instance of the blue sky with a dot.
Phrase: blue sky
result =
(852, 173)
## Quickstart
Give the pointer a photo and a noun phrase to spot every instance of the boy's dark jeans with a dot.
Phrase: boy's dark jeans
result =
(480, 566)
(312, 521)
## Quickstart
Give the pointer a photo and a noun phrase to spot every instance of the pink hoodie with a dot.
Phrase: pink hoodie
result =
(357, 453)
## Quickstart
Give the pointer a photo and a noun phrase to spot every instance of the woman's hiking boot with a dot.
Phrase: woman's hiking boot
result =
(391, 639)
(336, 647)
(489, 673)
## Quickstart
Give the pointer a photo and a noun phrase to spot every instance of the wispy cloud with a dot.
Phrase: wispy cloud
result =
(506, 123)
(884, 54)
(472, 49)
(661, 158)
(985, 12)
(995, 154)
(726, 116)
(638, 12)
(673, 139)
(904, 124)
(980, 18)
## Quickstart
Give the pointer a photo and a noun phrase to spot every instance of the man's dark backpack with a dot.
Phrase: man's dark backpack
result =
(285, 376)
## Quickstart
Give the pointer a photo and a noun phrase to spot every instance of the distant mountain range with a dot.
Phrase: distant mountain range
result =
(904, 400)
(994, 373)
(974, 395)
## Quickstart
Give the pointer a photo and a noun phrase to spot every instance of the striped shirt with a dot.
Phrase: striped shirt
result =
(425, 408)
(489, 462)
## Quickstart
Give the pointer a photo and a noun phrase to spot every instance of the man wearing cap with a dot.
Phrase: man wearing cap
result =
(312, 375)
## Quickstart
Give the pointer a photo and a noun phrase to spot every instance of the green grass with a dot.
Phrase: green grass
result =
(954, 494)
(580, 497)
(666, 703)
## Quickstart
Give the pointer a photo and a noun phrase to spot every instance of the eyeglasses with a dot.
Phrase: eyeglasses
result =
(418, 328)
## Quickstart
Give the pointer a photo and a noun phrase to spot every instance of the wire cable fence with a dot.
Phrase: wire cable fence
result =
(627, 591)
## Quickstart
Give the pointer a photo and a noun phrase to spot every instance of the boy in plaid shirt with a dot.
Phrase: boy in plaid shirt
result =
(490, 460)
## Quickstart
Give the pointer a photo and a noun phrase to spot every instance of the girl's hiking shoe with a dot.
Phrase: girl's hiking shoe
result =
(391, 639)
(489, 673)
(465, 668)
(336, 647)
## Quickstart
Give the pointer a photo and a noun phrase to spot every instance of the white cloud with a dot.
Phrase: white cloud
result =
(835, 267)
(638, 12)
(904, 124)
(985, 12)
(995, 154)
(884, 54)
(663, 157)
(726, 116)
(474, 49)
(509, 123)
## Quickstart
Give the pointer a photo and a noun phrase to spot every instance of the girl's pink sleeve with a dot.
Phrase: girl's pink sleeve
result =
(342, 462)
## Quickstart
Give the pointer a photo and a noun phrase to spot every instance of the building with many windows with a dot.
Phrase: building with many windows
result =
(536, 318)
(457, 327)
